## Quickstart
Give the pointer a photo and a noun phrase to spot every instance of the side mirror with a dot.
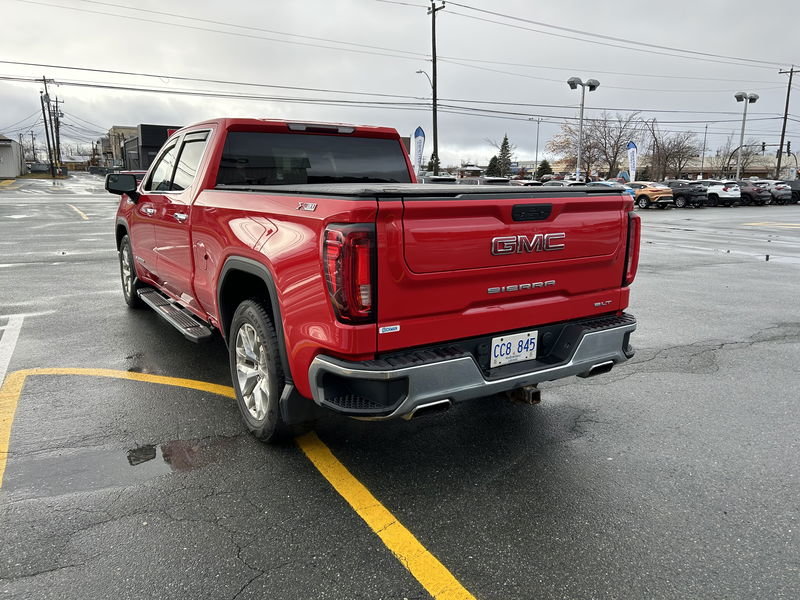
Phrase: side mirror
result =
(122, 183)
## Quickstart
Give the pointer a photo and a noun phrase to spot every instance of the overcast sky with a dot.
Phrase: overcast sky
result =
(376, 47)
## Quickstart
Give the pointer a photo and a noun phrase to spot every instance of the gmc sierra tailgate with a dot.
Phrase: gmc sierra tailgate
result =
(462, 261)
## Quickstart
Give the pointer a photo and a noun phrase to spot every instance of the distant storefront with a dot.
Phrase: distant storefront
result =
(11, 163)
(140, 151)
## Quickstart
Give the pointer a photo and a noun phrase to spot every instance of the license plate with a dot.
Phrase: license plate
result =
(513, 348)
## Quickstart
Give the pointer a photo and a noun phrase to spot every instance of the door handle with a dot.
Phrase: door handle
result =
(149, 211)
(181, 217)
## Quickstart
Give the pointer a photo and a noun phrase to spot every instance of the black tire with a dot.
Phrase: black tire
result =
(643, 202)
(127, 273)
(260, 408)
(747, 200)
(713, 200)
(680, 202)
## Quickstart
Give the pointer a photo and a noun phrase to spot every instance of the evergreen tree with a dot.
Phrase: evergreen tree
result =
(504, 157)
(493, 170)
(543, 169)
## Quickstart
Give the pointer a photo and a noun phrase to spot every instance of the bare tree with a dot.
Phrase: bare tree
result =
(565, 145)
(678, 149)
(723, 162)
(610, 135)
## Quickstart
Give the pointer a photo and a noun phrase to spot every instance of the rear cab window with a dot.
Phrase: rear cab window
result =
(266, 158)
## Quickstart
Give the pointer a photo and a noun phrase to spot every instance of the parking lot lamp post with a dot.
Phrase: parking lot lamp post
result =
(435, 155)
(747, 99)
(592, 84)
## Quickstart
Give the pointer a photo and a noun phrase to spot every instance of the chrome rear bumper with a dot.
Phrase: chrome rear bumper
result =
(404, 389)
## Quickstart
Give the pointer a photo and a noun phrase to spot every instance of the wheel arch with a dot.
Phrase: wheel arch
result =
(121, 230)
(244, 278)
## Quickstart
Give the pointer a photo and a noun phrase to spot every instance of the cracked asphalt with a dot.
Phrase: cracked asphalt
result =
(674, 476)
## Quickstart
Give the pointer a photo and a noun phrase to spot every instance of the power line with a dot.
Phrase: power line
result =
(205, 80)
(385, 105)
(612, 87)
(595, 34)
(33, 114)
(372, 52)
(610, 45)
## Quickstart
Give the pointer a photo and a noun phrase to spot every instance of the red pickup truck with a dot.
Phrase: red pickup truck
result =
(338, 282)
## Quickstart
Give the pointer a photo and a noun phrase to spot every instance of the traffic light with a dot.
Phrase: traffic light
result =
(763, 147)
(788, 147)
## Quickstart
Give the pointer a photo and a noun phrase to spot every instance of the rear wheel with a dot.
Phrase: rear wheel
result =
(680, 202)
(643, 202)
(256, 371)
(127, 272)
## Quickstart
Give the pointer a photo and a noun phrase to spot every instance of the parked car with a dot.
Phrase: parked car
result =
(725, 193)
(613, 184)
(556, 183)
(650, 193)
(688, 193)
(754, 192)
(437, 179)
(528, 182)
(780, 191)
(483, 181)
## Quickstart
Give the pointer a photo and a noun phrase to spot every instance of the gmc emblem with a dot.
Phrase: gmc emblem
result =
(517, 244)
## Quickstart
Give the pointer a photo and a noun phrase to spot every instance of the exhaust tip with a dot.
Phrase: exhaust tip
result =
(430, 408)
(598, 369)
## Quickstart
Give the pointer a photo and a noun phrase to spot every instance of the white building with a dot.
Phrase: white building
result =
(11, 162)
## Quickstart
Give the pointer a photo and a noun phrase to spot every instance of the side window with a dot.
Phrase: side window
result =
(161, 178)
(189, 161)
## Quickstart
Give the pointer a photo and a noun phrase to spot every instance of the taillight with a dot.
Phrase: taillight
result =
(632, 253)
(348, 258)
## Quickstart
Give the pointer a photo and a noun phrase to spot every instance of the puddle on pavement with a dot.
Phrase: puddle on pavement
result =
(86, 469)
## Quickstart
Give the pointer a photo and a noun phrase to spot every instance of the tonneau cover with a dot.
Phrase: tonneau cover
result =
(395, 190)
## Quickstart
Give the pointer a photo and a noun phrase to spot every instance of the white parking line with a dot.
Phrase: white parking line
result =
(8, 342)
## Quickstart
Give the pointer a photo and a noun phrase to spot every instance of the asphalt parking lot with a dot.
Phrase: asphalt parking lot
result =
(674, 476)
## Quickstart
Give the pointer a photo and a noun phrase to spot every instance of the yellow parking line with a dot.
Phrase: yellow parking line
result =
(13, 384)
(7, 182)
(79, 211)
(774, 224)
(423, 565)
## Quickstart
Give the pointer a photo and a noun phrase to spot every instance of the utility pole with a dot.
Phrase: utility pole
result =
(785, 118)
(58, 116)
(432, 12)
(536, 159)
(33, 146)
(703, 155)
(22, 170)
(47, 135)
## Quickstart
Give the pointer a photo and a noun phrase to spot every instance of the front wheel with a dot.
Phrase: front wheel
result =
(643, 202)
(256, 370)
(680, 202)
(127, 272)
(713, 200)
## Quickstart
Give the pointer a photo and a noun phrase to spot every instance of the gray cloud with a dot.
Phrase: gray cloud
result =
(60, 36)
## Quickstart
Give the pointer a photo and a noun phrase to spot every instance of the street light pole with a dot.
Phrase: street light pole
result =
(592, 84)
(432, 12)
(747, 99)
(536, 156)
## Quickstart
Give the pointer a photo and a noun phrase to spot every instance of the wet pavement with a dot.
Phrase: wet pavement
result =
(674, 476)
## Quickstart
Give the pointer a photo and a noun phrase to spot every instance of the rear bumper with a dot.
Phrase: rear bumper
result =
(401, 384)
